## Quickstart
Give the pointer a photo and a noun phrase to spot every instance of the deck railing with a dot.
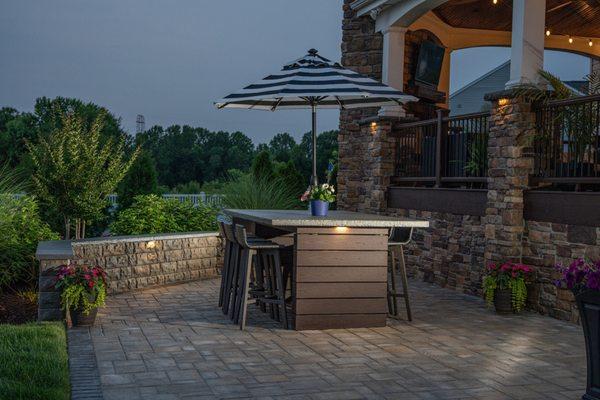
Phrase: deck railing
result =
(444, 150)
(567, 141)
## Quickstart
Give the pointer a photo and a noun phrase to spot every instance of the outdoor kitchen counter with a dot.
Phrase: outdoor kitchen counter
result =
(339, 274)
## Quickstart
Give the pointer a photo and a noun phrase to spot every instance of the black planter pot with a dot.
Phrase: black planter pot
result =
(503, 301)
(78, 318)
(588, 303)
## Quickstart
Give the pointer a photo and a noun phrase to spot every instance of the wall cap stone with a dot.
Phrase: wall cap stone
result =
(63, 249)
(54, 250)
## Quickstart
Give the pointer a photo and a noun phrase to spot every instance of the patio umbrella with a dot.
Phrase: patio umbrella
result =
(310, 82)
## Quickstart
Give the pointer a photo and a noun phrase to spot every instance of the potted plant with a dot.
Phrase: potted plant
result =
(583, 279)
(319, 196)
(505, 286)
(83, 290)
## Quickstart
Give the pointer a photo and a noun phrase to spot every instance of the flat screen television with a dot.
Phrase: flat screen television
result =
(429, 64)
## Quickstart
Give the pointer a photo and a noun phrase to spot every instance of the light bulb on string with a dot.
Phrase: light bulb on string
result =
(548, 32)
(570, 39)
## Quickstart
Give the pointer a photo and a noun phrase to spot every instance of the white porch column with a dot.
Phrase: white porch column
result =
(527, 51)
(392, 71)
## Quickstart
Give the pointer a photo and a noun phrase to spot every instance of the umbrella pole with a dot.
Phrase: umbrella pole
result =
(314, 180)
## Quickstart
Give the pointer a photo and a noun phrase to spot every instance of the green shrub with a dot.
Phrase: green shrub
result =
(153, 214)
(140, 179)
(21, 228)
(248, 192)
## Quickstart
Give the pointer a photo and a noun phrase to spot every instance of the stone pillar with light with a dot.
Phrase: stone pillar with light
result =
(510, 163)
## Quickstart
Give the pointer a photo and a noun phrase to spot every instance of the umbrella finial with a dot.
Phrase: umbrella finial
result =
(313, 52)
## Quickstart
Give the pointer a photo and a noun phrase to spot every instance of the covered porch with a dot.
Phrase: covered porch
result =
(519, 181)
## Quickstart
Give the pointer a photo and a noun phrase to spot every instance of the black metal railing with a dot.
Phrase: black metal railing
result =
(567, 141)
(443, 150)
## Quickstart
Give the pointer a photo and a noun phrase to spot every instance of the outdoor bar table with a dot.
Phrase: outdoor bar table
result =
(339, 274)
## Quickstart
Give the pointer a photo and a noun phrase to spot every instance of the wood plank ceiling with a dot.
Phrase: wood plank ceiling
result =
(563, 17)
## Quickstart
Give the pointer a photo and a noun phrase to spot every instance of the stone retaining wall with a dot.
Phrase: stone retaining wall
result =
(131, 262)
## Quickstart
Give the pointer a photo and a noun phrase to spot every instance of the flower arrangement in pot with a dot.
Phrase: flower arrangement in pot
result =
(319, 196)
(83, 290)
(505, 286)
(582, 277)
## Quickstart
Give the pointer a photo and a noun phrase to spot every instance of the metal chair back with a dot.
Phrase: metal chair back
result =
(400, 236)
(241, 236)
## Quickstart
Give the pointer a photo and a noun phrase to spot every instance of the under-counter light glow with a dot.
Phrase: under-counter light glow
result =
(341, 229)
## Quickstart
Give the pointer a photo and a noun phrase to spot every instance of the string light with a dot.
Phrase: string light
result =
(570, 39)
(590, 43)
(495, 1)
(548, 32)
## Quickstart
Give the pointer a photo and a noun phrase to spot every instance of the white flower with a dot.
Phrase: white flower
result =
(325, 186)
(332, 189)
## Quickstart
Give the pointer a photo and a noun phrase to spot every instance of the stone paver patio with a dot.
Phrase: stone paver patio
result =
(174, 343)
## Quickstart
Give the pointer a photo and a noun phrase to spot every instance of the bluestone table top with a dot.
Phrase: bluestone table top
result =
(302, 218)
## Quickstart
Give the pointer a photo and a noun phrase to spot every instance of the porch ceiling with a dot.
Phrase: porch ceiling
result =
(563, 17)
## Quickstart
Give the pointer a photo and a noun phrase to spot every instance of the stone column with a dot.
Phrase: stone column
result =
(527, 48)
(510, 159)
(392, 69)
(51, 254)
(595, 65)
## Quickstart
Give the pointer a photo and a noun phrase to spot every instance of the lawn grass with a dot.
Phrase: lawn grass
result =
(33, 362)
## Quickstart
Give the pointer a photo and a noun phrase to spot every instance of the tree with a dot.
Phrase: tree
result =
(281, 147)
(289, 175)
(75, 168)
(140, 179)
(262, 166)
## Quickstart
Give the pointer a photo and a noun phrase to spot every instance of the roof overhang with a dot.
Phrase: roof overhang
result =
(372, 7)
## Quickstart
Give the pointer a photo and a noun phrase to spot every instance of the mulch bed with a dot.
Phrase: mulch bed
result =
(16, 309)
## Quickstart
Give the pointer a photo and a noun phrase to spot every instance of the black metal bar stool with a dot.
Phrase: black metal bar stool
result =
(227, 250)
(268, 286)
(399, 237)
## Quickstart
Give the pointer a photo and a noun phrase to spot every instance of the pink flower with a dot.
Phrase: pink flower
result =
(304, 197)
(87, 277)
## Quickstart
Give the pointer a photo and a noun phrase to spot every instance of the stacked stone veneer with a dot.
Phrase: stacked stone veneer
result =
(133, 262)
(454, 251)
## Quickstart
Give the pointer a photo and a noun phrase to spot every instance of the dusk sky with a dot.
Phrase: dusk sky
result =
(170, 60)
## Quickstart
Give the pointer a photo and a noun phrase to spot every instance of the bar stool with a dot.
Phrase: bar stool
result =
(398, 238)
(268, 284)
(227, 247)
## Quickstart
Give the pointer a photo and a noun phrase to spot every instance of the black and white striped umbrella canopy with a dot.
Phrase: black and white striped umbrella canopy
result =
(314, 80)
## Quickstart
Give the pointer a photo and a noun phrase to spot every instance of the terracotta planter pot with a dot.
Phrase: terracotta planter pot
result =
(78, 318)
(503, 301)
(588, 303)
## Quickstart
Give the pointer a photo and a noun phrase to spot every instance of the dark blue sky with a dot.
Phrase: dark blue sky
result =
(169, 60)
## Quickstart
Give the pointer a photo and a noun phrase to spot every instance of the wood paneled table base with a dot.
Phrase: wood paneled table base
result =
(339, 263)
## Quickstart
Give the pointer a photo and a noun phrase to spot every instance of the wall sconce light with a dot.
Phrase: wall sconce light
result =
(373, 127)
(502, 102)
(151, 244)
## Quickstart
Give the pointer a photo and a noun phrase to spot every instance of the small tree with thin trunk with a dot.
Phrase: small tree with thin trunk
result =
(75, 168)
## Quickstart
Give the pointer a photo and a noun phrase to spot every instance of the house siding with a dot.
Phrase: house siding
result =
(470, 98)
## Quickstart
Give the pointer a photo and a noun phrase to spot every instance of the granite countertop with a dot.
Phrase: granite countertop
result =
(349, 219)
